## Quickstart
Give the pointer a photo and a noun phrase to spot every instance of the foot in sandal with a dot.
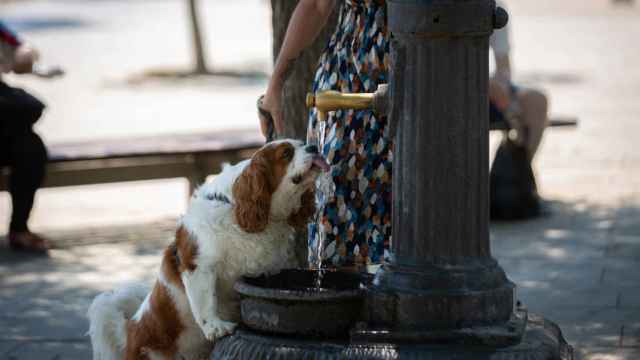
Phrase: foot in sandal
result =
(29, 242)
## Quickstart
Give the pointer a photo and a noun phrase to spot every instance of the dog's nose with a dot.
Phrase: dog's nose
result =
(311, 149)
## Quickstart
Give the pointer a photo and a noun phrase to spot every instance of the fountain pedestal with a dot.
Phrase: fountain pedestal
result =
(542, 341)
(442, 295)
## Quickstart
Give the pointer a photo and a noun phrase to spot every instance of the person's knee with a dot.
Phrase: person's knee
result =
(539, 100)
(535, 99)
(29, 155)
(35, 148)
(535, 106)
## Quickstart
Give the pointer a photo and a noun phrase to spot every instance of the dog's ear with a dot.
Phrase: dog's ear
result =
(300, 218)
(252, 192)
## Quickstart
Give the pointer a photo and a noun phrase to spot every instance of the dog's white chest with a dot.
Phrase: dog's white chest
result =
(252, 256)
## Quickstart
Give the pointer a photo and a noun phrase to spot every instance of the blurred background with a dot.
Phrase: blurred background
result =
(577, 266)
(106, 47)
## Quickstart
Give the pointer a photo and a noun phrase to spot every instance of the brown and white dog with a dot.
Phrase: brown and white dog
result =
(239, 224)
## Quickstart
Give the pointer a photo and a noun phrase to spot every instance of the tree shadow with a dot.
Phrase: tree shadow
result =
(579, 215)
(576, 267)
(173, 76)
(579, 268)
(45, 299)
(44, 23)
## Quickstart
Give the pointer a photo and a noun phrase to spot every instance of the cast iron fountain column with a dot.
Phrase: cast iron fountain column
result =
(441, 274)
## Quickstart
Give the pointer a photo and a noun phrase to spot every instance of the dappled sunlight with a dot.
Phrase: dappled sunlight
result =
(605, 356)
(590, 326)
(22, 279)
(579, 267)
(556, 233)
(604, 224)
(555, 253)
(53, 294)
(533, 284)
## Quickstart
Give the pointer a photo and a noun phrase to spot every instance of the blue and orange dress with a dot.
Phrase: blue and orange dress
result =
(356, 218)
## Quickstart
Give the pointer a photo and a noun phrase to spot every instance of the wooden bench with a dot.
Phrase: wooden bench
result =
(192, 156)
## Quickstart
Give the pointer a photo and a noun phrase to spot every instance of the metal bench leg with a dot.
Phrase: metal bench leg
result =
(198, 175)
(196, 179)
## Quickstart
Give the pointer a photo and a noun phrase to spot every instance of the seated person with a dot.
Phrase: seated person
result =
(524, 110)
(21, 149)
(513, 188)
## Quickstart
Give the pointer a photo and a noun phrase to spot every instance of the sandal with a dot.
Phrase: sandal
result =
(267, 115)
(28, 242)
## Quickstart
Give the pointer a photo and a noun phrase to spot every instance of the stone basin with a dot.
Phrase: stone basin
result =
(290, 303)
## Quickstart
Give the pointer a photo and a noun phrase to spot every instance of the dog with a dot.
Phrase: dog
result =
(241, 223)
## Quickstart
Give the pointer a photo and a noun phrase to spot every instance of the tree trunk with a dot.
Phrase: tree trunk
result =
(298, 84)
(301, 77)
(198, 43)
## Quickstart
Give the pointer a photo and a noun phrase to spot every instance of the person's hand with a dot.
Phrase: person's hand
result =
(5, 67)
(24, 58)
(47, 72)
(499, 94)
(271, 103)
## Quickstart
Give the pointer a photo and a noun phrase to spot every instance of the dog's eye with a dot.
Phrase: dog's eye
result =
(287, 153)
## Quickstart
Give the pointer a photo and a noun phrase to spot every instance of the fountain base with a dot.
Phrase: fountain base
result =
(499, 335)
(542, 340)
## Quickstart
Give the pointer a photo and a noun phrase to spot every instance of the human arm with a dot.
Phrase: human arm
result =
(16, 56)
(500, 43)
(307, 20)
(501, 53)
(499, 94)
(22, 58)
(500, 82)
(25, 59)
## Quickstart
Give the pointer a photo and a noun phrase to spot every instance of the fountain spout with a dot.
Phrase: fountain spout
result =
(331, 100)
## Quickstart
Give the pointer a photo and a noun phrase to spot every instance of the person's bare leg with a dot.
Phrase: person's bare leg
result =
(534, 107)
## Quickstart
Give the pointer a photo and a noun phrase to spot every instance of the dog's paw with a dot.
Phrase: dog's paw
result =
(217, 329)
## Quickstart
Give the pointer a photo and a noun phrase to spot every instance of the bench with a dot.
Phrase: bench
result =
(192, 156)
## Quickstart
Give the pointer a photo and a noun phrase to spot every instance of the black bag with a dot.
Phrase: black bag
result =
(513, 191)
(19, 110)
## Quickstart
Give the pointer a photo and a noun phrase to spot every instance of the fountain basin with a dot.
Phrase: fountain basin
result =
(289, 303)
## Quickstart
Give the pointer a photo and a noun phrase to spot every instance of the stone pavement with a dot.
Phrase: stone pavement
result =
(578, 267)
(44, 299)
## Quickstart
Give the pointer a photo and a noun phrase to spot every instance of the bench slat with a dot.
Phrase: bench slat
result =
(156, 157)
(156, 145)
(553, 122)
(61, 175)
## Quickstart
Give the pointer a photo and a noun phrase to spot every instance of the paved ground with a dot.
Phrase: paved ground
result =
(578, 267)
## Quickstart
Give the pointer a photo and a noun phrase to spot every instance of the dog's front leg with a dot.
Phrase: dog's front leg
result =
(200, 286)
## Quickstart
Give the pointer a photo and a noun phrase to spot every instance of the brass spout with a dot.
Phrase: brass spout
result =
(330, 100)
(333, 100)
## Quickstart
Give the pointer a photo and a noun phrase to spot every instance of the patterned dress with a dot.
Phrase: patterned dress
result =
(354, 222)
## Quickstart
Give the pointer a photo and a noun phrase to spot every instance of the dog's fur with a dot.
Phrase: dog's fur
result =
(239, 224)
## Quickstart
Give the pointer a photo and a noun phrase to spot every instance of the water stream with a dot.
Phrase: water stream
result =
(325, 190)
